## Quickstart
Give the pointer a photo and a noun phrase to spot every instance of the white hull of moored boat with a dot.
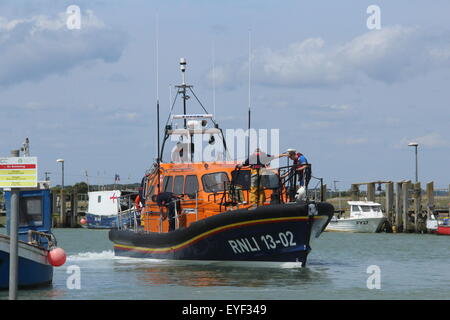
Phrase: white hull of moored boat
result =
(366, 225)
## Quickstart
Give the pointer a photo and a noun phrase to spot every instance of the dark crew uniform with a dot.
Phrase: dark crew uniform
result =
(257, 162)
(168, 199)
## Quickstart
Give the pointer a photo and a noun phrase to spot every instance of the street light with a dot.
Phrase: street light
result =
(62, 167)
(415, 144)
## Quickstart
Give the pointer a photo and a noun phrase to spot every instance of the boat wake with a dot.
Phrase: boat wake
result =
(86, 256)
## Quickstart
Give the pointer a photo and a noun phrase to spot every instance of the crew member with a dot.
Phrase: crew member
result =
(168, 200)
(301, 167)
(257, 161)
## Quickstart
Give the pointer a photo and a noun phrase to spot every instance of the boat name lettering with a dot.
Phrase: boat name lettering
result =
(362, 222)
(269, 242)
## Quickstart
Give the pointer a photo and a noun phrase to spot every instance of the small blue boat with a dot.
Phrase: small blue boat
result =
(35, 240)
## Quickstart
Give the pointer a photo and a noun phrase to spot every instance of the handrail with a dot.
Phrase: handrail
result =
(35, 238)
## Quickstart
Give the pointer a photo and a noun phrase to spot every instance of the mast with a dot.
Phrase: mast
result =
(249, 89)
(158, 159)
(189, 131)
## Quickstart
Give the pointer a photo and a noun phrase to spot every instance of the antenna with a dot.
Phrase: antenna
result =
(249, 87)
(170, 97)
(183, 69)
(158, 156)
(183, 85)
(214, 78)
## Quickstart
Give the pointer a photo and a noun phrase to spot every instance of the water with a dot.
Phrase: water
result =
(412, 267)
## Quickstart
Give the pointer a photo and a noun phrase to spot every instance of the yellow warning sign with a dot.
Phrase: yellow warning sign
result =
(18, 172)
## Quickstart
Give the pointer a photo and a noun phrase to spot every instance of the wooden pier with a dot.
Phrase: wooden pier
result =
(406, 208)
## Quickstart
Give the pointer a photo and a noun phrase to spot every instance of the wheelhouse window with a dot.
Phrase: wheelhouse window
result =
(178, 185)
(270, 180)
(168, 183)
(366, 208)
(355, 208)
(191, 186)
(30, 212)
(214, 182)
(241, 178)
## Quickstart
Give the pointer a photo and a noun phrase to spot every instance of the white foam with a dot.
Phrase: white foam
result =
(84, 256)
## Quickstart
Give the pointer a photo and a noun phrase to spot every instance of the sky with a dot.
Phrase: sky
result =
(348, 96)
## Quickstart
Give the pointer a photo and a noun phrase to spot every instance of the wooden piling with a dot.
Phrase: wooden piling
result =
(405, 200)
(371, 191)
(74, 209)
(398, 207)
(389, 201)
(430, 199)
(324, 192)
(417, 196)
(54, 207)
(62, 212)
(355, 192)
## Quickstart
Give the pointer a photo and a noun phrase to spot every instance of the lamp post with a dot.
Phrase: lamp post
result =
(62, 197)
(415, 144)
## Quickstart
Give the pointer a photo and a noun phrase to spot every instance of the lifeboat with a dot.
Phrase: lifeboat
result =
(216, 217)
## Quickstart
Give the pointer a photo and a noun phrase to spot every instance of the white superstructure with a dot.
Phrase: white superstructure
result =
(104, 203)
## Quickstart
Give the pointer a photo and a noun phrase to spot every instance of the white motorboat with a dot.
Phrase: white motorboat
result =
(365, 216)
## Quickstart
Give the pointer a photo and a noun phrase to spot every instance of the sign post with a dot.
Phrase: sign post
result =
(16, 172)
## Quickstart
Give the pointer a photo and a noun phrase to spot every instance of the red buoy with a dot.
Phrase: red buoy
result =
(56, 257)
(83, 221)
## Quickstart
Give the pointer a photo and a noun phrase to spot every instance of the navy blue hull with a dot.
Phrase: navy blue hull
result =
(101, 222)
(260, 235)
(105, 222)
(31, 273)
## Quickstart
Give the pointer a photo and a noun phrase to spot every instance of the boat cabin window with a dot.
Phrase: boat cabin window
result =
(168, 183)
(355, 208)
(178, 185)
(30, 211)
(376, 208)
(366, 208)
(269, 180)
(99, 199)
(241, 178)
(214, 182)
(191, 186)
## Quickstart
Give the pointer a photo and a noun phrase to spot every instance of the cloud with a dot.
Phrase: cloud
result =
(34, 48)
(431, 140)
(389, 55)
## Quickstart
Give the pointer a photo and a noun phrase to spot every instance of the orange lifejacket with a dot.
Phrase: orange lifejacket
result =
(137, 203)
